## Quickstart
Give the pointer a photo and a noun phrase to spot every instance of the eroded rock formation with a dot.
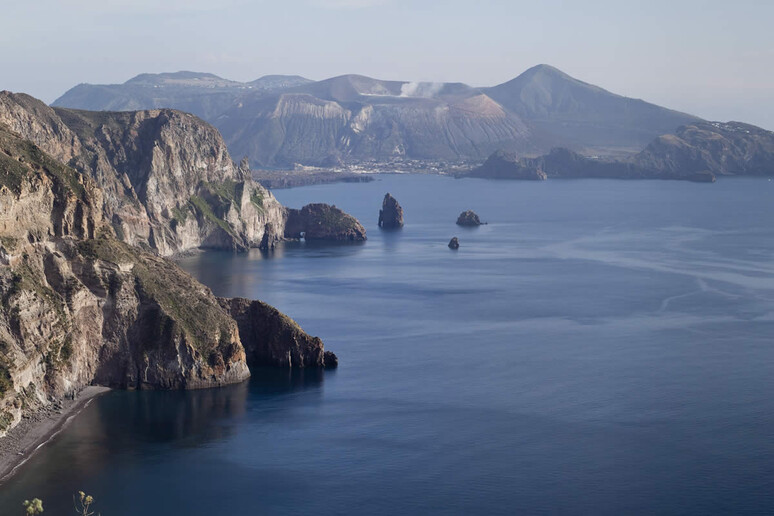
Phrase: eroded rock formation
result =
(323, 222)
(391, 214)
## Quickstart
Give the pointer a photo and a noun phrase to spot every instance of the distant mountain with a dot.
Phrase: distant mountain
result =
(358, 118)
(563, 110)
(203, 94)
(696, 152)
(282, 120)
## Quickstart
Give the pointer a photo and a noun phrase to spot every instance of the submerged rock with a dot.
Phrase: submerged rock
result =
(323, 222)
(468, 218)
(454, 243)
(391, 214)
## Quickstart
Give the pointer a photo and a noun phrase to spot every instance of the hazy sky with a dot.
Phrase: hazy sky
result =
(711, 58)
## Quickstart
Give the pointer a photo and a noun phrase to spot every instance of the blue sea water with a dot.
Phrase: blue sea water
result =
(600, 347)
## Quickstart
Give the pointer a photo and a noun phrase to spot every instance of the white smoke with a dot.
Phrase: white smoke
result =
(420, 89)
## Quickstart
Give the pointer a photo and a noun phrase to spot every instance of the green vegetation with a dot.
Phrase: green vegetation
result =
(336, 220)
(20, 159)
(228, 190)
(179, 216)
(197, 316)
(107, 248)
(5, 420)
(27, 278)
(6, 382)
(257, 198)
(9, 243)
(12, 173)
(83, 503)
(33, 507)
(205, 210)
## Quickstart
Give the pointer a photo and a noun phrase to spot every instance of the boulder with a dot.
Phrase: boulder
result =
(454, 243)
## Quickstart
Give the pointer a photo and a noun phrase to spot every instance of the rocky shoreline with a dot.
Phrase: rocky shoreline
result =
(38, 428)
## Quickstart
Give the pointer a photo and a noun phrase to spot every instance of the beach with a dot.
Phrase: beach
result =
(37, 429)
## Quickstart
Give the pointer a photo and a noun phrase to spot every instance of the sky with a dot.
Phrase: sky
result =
(711, 58)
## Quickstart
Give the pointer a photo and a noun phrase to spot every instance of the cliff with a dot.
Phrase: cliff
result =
(81, 307)
(272, 338)
(169, 180)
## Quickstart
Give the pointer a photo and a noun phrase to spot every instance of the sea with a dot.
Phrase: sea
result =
(598, 347)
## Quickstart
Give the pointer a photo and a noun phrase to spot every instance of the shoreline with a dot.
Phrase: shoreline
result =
(38, 429)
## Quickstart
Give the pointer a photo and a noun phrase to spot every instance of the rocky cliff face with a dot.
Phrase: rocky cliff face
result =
(79, 306)
(272, 338)
(169, 181)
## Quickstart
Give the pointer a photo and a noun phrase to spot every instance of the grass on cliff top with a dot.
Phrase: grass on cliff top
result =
(13, 172)
(229, 190)
(85, 123)
(338, 220)
(186, 302)
(213, 202)
(195, 310)
(206, 211)
(256, 197)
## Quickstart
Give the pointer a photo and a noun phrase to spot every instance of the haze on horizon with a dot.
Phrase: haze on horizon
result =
(708, 58)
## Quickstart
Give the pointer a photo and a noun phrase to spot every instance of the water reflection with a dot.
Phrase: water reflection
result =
(134, 432)
(390, 238)
(268, 381)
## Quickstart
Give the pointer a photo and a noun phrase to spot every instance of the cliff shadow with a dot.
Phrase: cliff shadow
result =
(272, 381)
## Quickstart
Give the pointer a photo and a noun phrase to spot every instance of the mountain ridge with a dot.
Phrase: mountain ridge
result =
(355, 118)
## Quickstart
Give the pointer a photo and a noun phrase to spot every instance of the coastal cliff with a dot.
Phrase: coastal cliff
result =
(170, 184)
(272, 338)
(81, 307)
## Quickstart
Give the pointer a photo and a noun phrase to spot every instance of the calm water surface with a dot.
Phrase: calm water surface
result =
(600, 347)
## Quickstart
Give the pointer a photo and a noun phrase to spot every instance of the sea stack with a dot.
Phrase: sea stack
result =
(454, 243)
(391, 214)
(323, 222)
(468, 218)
